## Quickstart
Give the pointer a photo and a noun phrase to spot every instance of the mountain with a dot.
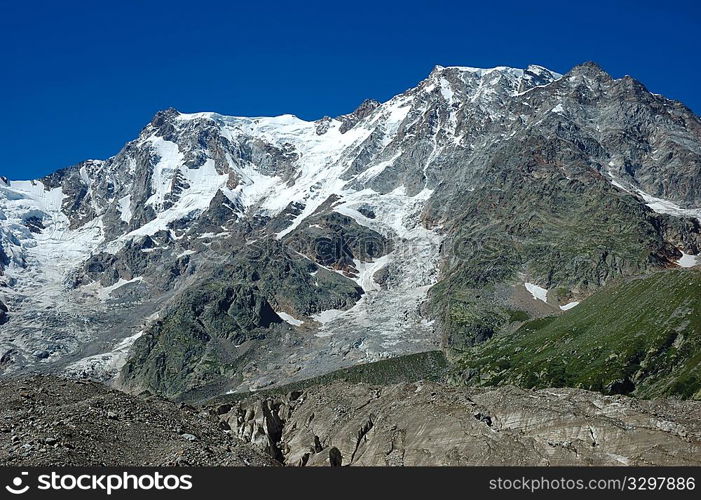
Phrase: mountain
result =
(218, 253)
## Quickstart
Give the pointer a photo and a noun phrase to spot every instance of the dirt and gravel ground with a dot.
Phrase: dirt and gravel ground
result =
(46, 420)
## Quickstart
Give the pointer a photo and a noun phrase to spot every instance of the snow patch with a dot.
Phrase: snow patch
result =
(367, 270)
(688, 260)
(204, 183)
(446, 90)
(205, 236)
(614, 180)
(569, 306)
(185, 254)
(538, 293)
(288, 318)
(104, 293)
(327, 316)
(170, 159)
(104, 366)
(659, 205)
(663, 206)
(124, 207)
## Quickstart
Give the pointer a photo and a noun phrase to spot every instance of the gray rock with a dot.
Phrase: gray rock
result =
(3, 313)
(427, 424)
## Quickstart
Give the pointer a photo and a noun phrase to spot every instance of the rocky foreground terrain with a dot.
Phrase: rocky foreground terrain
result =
(52, 421)
(426, 423)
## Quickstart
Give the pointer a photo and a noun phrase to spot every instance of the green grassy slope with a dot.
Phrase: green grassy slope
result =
(430, 365)
(640, 336)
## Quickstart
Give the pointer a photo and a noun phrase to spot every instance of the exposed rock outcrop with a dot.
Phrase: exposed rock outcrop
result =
(432, 424)
(3, 312)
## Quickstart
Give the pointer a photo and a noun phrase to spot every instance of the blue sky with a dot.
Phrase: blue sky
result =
(79, 79)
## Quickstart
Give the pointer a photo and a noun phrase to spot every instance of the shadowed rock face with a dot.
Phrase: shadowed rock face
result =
(431, 424)
(365, 109)
(337, 241)
(388, 231)
(3, 313)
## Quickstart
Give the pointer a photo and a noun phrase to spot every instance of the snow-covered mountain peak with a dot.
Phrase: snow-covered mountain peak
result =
(533, 74)
(194, 188)
(486, 88)
(469, 82)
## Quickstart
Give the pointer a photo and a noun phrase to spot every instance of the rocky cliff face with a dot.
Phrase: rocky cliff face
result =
(218, 253)
(429, 424)
(3, 313)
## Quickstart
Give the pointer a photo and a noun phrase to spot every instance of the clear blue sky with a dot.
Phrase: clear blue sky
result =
(79, 79)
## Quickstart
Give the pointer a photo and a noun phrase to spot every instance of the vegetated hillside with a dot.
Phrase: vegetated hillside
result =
(638, 336)
(423, 366)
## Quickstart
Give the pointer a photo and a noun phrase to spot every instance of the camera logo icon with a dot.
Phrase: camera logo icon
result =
(16, 488)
